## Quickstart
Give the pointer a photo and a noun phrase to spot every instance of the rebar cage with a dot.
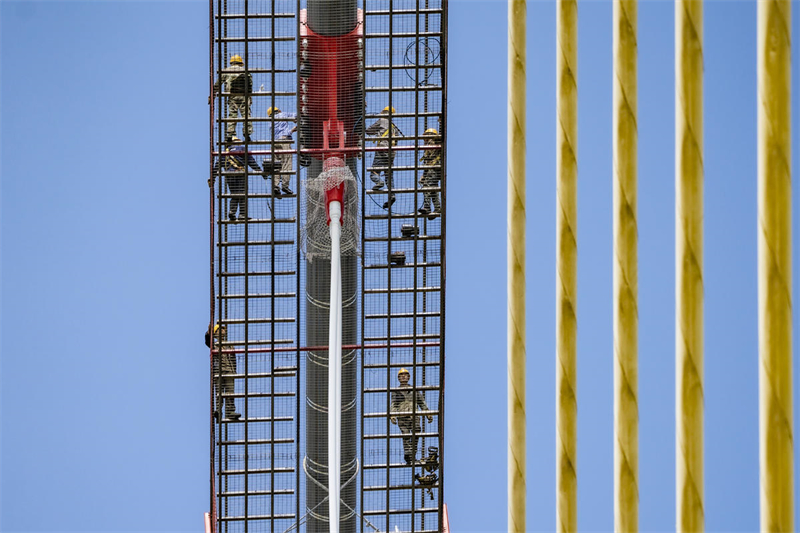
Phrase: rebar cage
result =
(293, 83)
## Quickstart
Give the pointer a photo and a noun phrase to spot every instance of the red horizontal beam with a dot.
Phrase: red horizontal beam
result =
(349, 150)
(325, 348)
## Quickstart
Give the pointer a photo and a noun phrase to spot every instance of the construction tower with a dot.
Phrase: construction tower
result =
(314, 102)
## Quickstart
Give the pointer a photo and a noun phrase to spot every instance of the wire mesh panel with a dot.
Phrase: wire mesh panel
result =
(403, 265)
(255, 369)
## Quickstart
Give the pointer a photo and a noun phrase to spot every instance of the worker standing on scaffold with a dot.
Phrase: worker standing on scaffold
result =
(223, 382)
(403, 401)
(384, 158)
(239, 84)
(431, 158)
(235, 168)
(282, 140)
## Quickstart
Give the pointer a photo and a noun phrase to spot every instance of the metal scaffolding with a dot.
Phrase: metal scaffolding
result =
(268, 296)
(403, 270)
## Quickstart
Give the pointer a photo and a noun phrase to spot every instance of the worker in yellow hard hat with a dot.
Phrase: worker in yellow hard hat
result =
(223, 381)
(431, 162)
(388, 134)
(239, 84)
(404, 400)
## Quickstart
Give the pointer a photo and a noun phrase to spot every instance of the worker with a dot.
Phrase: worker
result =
(432, 160)
(384, 158)
(239, 84)
(233, 164)
(281, 140)
(404, 400)
(223, 380)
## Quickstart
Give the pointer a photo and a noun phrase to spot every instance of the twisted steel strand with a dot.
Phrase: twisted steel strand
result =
(566, 265)
(626, 315)
(517, 11)
(690, 515)
(775, 265)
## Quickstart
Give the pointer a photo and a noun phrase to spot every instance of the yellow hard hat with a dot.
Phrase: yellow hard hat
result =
(272, 110)
(403, 371)
(236, 59)
(431, 131)
(387, 108)
(217, 326)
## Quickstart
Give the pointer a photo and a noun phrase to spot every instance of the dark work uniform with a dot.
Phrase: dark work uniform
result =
(239, 84)
(431, 157)
(384, 158)
(223, 381)
(403, 402)
(233, 165)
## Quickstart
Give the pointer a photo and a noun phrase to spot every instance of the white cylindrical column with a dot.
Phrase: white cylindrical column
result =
(335, 368)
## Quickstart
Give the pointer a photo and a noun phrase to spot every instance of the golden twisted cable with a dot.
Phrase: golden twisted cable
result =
(566, 264)
(775, 266)
(517, 11)
(626, 281)
(690, 515)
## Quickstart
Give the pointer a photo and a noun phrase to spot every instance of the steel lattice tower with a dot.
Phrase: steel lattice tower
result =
(269, 282)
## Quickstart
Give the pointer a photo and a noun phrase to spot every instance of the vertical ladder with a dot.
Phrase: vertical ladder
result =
(256, 281)
(403, 266)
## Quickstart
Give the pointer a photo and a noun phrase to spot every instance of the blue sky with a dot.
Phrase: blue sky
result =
(104, 266)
